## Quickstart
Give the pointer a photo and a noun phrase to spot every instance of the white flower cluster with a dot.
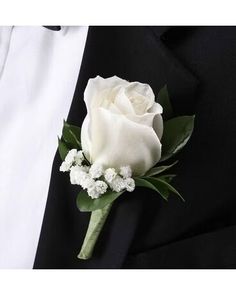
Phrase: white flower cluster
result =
(95, 179)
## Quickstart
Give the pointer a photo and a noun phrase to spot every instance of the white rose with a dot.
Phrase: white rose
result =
(123, 125)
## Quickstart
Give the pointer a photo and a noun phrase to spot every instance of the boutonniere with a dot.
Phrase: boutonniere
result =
(124, 138)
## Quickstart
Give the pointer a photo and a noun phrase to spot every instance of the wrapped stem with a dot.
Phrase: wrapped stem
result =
(97, 220)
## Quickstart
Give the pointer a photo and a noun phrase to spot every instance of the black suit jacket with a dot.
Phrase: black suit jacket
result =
(143, 231)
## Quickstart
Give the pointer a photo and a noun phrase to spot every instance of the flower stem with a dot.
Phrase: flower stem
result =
(97, 220)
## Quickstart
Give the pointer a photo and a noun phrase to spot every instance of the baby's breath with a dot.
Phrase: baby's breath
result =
(93, 178)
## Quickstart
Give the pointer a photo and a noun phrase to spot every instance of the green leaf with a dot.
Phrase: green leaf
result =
(86, 204)
(145, 182)
(157, 170)
(167, 178)
(71, 135)
(163, 186)
(177, 132)
(164, 100)
(96, 223)
(62, 148)
(141, 182)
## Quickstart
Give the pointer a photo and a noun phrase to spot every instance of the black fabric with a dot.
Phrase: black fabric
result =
(143, 231)
(53, 28)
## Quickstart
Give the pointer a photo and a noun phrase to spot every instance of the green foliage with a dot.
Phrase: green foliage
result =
(62, 148)
(160, 185)
(70, 139)
(177, 132)
(71, 135)
(167, 177)
(157, 170)
(86, 204)
(164, 187)
(142, 182)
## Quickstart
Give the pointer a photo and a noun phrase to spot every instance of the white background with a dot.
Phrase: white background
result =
(118, 12)
(114, 282)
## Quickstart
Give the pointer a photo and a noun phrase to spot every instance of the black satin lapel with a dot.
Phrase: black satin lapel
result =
(132, 53)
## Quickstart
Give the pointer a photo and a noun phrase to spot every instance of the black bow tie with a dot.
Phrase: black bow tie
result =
(53, 28)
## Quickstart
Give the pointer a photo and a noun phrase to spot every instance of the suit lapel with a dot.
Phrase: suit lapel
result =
(132, 53)
(182, 83)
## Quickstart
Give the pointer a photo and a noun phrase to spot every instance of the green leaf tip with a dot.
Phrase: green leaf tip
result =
(160, 185)
(159, 169)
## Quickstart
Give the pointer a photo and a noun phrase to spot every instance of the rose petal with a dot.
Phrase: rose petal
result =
(155, 108)
(141, 96)
(93, 96)
(158, 125)
(117, 141)
(123, 103)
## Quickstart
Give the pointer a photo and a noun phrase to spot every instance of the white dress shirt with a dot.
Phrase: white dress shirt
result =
(38, 73)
